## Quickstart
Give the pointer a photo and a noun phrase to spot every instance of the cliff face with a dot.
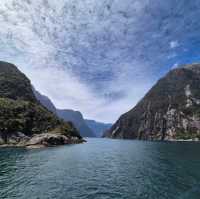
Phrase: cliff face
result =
(77, 119)
(170, 110)
(21, 114)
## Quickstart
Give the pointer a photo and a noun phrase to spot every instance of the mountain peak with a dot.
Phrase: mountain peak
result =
(170, 110)
(194, 67)
(14, 84)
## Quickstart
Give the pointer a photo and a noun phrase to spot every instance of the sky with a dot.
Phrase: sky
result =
(98, 56)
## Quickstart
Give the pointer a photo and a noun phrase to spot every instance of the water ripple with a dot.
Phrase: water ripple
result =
(102, 169)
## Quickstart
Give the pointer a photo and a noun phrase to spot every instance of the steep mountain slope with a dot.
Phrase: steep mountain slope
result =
(14, 84)
(170, 110)
(68, 115)
(98, 127)
(45, 101)
(22, 116)
(77, 119)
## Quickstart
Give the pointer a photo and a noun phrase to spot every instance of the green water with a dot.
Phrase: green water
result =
(102, 169)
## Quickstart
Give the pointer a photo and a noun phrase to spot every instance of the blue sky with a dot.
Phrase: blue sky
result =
(99, 57)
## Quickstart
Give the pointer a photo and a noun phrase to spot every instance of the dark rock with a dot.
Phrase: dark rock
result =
(37, 141)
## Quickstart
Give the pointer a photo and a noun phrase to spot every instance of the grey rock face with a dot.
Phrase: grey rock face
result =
(49, 140)
(170, 110)
(37, 141)
(13, 139)
(77, 119)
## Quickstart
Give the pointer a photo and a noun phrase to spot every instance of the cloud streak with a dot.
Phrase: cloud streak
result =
(99, 57)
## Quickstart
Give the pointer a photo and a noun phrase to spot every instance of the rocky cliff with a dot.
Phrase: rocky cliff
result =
(22, 117)
(77, 119)
(169, 111)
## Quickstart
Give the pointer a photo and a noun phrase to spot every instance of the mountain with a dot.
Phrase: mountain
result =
(23, 120)
(67, 115)
(77, 119)
(45, 101)
(169, 111)
(14, 84)
(98, 127)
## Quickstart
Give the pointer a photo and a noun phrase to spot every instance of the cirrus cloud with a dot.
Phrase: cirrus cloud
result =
(99, 57)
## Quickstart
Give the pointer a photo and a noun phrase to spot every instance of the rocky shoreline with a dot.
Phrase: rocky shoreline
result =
(154, 140)
(182, 140)
(37, 141)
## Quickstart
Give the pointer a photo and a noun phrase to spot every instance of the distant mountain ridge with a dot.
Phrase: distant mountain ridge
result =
(67, 115)
(77, 119)
(169, 111)
(98, 127)
(87, 128)
(45, 101)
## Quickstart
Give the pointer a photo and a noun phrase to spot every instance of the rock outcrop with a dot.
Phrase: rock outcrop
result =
(22, 116)
(169, 111)
(49, 140)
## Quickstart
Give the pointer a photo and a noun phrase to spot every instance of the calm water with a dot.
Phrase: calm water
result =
(102, 169)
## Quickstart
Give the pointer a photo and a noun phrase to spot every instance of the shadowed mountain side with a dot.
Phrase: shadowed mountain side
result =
(77, 119)
(45, 101)
(170, 110)
(98, 127)
(68, 115)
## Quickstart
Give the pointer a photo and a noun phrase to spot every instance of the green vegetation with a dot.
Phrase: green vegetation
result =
(21, 112)
(187, 136)
(14, 84)
(30, 118)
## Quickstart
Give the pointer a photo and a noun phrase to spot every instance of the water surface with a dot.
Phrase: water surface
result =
(102, 169)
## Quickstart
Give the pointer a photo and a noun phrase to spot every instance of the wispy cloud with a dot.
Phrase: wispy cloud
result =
(99, 57)
(174, 44)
